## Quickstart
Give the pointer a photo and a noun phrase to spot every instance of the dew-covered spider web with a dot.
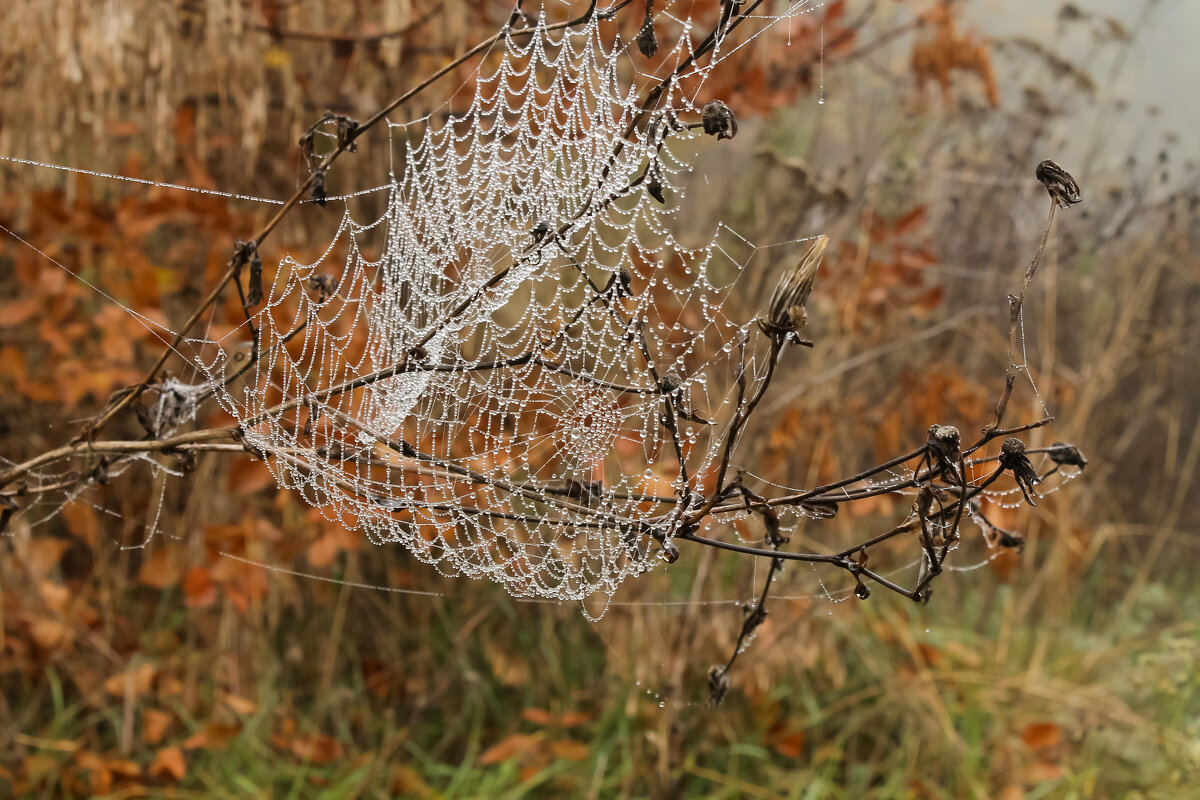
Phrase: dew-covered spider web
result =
(516, 372)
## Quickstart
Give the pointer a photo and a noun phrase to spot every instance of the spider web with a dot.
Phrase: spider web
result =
(516, 371)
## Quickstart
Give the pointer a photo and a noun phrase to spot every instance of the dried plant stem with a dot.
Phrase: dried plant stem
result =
(1015, 304)
(117, 447)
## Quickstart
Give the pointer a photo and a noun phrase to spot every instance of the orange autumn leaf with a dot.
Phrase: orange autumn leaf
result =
(198, 588)
(790, 745)
(324, 550)
(16, 312)
(1042, 735)
(572, 718)
(538, 716)
(214, 736)
(136, 680)
(569, 750)
(169, 763)
(316, 748)
(239, 704)
(160, 570)
(247, 476)
(123, 767)
(511, 746)
(154, 725)
(50, 634)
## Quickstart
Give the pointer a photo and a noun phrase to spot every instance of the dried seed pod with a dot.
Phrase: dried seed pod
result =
(670, 382)
(308, 146)
(786, 308)
(646, 40)
(317, 191)
(655, 188)
(347, 130)
(718, 120)
(718, 683)
(1058, 182)
(624, 283)
(1067, 454)
(254, 287)
(820, 510)
(924, 501)
(775, 536)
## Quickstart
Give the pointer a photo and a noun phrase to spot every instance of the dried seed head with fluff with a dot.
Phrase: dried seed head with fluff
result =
(785, 313)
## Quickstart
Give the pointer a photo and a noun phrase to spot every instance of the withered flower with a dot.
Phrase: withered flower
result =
(718, 683)
(718, 120)
(1013, 459)
(1058, 182)
(785, 312)
(945, 448)
(1066, 454)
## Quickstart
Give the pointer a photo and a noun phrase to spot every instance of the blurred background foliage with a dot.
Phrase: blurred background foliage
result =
(161, 667)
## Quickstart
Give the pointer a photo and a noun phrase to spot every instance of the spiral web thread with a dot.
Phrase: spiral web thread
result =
(524, 439)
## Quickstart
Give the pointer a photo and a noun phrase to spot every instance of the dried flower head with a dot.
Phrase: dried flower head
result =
(1058, 182)
(1013, 459)
(785, 313)
(945, 448)
(718, 120)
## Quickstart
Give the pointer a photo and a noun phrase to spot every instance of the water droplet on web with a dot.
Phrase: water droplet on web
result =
(821, 99)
